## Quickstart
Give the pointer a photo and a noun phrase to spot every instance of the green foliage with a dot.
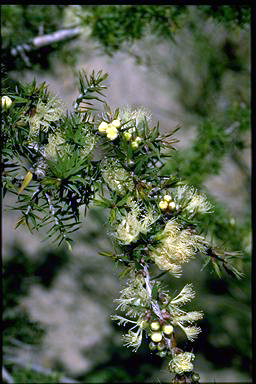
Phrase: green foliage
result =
(113, 25)
(26, 20)
(215, 138)
(29, 375)
(228, 14)
(62, 153)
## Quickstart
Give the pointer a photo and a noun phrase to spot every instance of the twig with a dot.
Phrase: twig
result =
(6, 376)
(44, 40)
(155, 306)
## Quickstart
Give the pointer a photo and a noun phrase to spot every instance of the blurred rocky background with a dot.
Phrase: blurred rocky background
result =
(57, 305)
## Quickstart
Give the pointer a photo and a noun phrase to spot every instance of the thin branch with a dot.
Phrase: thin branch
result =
(44, 40)
(6, 376)
(155, 305)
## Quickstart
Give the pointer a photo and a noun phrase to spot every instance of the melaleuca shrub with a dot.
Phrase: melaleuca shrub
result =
(112, 159)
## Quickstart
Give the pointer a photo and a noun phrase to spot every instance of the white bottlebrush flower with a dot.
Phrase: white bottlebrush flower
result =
(133, 117)
(199, 204)
(164, 263)
(139, 114)
(115, 176)
(122, 320)
(190, 331)
(133, 339)
(88, 144)
(54, 146)
(182, 363)
(191, 201)
(187, 317)
(134, 298)
(185, 295)
(134, 224)
(177, 246)
(45, 114)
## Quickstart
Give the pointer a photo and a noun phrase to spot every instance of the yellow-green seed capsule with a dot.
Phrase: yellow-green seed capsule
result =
(152, 346)
(155, 326)
(6, 102)
(156, 337)
(134, 145)
(127, 135)
(161, 346)
(162, 353)
(138, 139)
(168, 329)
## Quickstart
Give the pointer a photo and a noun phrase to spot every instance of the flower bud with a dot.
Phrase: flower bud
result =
(6, 102)
(172, 205)
(116, 123)
(161, 346)
(156, 337)
(138, 139)
(155, 326)
(112, 132)
(167, 198)
(195, 377)
(103, 126)
(162, 353)
(26, 181)
(163, 204)
(168, 329)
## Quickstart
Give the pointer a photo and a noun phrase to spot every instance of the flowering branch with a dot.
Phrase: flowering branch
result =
(152, 217)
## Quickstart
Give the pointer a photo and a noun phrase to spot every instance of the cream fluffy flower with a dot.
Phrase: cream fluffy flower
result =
(45, 114)
(178, 246)
(133, 224)
(182, 363)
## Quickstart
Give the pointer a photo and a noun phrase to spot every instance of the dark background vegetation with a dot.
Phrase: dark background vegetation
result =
(203, 55)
